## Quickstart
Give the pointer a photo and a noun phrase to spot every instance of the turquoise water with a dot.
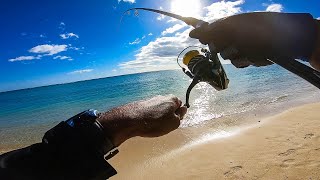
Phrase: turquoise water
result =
(26, 114)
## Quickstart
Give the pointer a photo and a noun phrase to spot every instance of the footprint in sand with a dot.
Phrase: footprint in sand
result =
(232, 170)
(287, 153)
(308, 136)
(310, 163)
(287, 162)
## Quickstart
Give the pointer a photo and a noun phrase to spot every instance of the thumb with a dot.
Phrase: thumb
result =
(180, 112)
(199, 32)
(195, 33)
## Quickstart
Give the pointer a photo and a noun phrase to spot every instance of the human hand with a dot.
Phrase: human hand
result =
(252, 38)
(149, 118)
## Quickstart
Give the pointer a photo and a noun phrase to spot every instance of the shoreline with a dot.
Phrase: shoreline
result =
(16, 137)
(265, 147)
(278, 147)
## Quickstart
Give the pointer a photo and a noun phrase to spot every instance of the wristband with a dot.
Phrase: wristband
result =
(81, 131)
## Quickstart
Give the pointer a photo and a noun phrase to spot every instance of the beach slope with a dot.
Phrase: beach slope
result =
(286, 146)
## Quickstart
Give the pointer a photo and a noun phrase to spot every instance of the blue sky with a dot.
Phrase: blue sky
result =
(58, 41)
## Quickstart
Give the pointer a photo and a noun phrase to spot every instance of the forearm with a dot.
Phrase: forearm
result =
(119, 124)
(315, 58)
(74, 148)
(68, 153)
(40, 161)
(23, 163)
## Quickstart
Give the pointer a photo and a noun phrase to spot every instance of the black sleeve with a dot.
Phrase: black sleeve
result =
(40, 161)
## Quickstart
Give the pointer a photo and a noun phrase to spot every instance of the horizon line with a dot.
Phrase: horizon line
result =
(41, 86)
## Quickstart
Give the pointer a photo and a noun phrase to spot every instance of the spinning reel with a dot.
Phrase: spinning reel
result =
(202, 66)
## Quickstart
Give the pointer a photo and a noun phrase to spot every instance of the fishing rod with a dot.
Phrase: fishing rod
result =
(204, 65)
(194, 22)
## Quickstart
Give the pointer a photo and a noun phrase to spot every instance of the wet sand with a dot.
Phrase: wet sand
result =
(285, 146)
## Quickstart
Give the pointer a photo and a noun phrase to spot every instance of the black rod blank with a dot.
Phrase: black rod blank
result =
(309, 74)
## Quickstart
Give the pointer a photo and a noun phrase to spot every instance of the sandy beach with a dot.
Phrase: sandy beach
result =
(285, 146)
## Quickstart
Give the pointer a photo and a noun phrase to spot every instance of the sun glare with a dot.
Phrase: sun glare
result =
(189, 8)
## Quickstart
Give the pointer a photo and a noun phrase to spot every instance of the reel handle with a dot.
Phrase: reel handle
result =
(195, 81)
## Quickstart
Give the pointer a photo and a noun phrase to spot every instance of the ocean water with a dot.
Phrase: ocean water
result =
(26, 114)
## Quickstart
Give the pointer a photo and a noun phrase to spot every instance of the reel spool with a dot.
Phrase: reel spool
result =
(201, 66)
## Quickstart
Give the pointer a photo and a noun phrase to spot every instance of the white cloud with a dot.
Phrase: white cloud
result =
(171, 20)
(63, 58)
(49, 49)
(137, 41)
(81, 71)
(42, 35)
(275, 8)
(161, 16)
(173, 29)
(45, 50)
(161, 53)
(62, 26)
(24, 58)
(75, 48)
(318, 18)
(69, 35)
(222, 9)
(129, 1)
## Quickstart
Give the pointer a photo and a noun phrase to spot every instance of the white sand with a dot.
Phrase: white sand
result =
(286, 146)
